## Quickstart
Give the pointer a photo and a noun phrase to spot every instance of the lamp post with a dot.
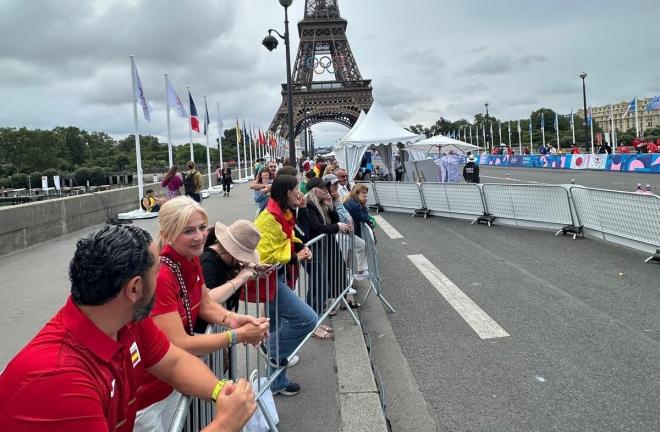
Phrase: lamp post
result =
(487, 130)
(583, 75)
(270, 42)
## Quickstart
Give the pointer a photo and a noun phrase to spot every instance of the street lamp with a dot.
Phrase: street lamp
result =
(583, 75)
(270, 42)
(487, 129)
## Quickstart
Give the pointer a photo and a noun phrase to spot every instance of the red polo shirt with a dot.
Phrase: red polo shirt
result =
(168, 299)
(72, 377)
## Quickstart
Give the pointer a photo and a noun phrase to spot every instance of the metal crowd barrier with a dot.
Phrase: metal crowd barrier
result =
(323, 283)
(622, 215)
(531, 203)
(374, 269)
(463, 200)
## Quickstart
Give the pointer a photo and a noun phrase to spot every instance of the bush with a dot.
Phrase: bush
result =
(4, 182)
(19, 180)
(81, 175)
(35, 179)
(97, 176)
(7, 169)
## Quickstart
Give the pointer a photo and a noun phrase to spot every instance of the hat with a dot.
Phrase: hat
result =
(239, 239)
(314, 182)
(471, 158)
(330, 179)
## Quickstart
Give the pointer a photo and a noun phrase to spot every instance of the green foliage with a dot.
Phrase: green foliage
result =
(7, 169)
(19, 180)
(97, 176)
(4, 182)
(81, 175)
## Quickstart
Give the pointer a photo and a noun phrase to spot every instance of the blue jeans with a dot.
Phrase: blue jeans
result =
(293, 322)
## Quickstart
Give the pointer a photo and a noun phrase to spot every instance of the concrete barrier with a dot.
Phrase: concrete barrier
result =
(25, 225)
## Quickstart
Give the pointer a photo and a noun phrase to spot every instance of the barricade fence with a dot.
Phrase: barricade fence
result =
(622, 217)
(321, 283)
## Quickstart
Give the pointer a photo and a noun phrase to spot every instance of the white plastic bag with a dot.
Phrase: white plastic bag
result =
(257, 422)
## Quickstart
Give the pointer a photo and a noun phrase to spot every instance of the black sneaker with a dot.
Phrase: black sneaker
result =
(291, 390)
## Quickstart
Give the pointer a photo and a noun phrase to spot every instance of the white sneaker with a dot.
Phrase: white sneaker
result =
(351, 291)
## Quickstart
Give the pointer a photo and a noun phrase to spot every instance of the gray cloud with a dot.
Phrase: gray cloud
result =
(66, 62)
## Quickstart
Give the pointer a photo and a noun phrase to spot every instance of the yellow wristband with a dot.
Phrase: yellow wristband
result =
(217, 390)
(229, 338)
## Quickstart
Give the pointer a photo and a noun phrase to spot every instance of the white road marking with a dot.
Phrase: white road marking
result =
(480, 322)
(389, 229)
(510, 179)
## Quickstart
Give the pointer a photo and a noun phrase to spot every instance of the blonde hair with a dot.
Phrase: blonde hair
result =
(320, 205)
(357, 188)
(173, 217)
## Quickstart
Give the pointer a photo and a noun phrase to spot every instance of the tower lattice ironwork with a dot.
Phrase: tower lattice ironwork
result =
(323, 50)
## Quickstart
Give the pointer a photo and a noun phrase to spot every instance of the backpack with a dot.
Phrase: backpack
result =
(189, 182)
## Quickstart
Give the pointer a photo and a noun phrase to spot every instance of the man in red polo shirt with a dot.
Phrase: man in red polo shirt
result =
(78, 373)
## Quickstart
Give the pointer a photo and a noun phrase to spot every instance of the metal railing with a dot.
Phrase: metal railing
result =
(321, 283)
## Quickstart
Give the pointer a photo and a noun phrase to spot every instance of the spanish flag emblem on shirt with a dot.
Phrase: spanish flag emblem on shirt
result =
(135, 354)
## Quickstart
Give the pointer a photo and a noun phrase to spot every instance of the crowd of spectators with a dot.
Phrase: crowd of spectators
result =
(124, 347)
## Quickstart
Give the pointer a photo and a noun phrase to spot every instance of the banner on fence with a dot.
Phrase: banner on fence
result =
(645, 163)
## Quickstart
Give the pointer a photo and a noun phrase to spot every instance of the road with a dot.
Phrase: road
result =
(598, 179)
(508, 329)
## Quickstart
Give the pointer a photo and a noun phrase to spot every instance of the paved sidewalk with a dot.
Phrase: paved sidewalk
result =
(338, 387)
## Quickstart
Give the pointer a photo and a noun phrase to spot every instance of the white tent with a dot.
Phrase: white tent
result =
(444, 143)
(378, 129)
(340, 154)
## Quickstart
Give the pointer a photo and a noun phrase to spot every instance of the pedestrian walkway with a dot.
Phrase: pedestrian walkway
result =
(338, 387)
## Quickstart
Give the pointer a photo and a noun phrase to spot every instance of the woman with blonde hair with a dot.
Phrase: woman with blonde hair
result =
(182, 298)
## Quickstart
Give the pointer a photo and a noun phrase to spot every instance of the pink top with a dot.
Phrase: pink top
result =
(173, 184)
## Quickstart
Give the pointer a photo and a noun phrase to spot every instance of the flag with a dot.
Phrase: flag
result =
(221, 125)
(262, 138)
(207, 120)
(246, 135)
(632, 107)
(589, 115)
(556, 121)
(174, 101)
(572, 121)
(238, 133)
(194, 120)
(519, 130)
(140, 96)
(530, 126)
(653, 104)
(542, 122)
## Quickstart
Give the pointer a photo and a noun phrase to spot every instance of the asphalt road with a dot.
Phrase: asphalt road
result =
(582, 316)
(598, 179)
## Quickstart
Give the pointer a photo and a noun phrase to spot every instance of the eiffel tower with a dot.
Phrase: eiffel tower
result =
(323, 49)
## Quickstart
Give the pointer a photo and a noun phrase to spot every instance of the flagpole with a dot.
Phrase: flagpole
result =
(169, 129)
(238, 147)
(250, 146)
(220, 134)
(612, 143)
(573, 126)
(509, 123)
(477, 135)
(208, 151)
(636, 117)
(192, 153)
(543, 132)
(519, 138)
(138, 156)
(499, 127)
(557, 127)
(531, 139)
(483, 130)
(471, 142)
(247, 175)
(591, 115)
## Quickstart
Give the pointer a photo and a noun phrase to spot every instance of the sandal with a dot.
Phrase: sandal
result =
(326, 328)
(319, 333)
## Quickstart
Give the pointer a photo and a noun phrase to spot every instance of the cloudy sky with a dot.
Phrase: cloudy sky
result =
(65, 62)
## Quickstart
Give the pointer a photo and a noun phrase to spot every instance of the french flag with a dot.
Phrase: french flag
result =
(194, 120)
